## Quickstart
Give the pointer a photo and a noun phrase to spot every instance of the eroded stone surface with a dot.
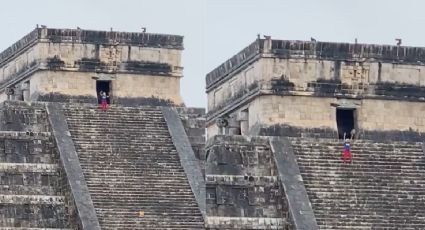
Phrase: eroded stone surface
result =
(242, 185)
(31, 191)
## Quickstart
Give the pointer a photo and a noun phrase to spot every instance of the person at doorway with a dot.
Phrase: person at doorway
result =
(104, 101)
(346, 155)
(352, 134)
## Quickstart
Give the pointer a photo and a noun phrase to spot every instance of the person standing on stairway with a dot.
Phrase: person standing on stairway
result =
(104, 101)
(346, 155)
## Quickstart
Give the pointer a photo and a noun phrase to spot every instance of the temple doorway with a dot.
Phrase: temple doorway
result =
(105, 86)
(345, 121)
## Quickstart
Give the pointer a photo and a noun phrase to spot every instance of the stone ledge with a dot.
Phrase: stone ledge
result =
(236, 139)
(19, 46)
(241, 180)
(25, 135)
(24, 228)
(218, 222)
(91, 36)
(28, 167)
(31, 199)
(23, 104)
(233, 64)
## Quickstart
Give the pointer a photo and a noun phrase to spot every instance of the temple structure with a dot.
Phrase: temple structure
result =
(74, 65)
(277, 112)
(279, 87)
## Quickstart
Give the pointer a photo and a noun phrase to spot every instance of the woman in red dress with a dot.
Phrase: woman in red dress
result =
(346, 156)
(104, 101)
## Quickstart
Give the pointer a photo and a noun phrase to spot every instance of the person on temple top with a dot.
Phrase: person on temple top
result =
(346, 155)
(104, 101)
(352, 134)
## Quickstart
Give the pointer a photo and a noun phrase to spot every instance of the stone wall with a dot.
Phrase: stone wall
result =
(242, 185)
(127, 89)
(193, 120)
(238, 85)
(31, 170)
(322, 78)
(234, 63)
(23, 116)
(306, 112)
(305, 116)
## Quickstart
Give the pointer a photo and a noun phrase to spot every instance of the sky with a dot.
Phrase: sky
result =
(215, 30)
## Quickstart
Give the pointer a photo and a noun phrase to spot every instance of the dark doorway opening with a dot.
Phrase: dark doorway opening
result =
(345, 122)
(104, 86)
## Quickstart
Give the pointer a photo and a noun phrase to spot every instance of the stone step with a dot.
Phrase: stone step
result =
(169, 193)
(134, 200)
(191, 211)
(101, 123)
(133, 171)
(381, 187)
(408, 155)
(362, 152)
(74, 108)
(346, 187)
(131, 159)
(384, 146)
(130, 164)
(141, 223)
(135, 159)
(160, 184)
(113, 128)
(100, 119)
(112, 114)
(326, 141)
(159, 174)
(149, 211)
(359, 164)
(349, 170)
(120, 141)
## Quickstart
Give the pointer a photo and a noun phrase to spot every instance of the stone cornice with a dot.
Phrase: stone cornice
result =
(292, 49)
(90, 36)
(264, 89)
